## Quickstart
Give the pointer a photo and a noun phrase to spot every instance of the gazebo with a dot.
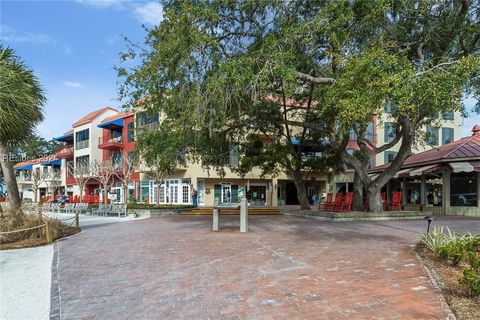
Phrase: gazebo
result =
(443, 180)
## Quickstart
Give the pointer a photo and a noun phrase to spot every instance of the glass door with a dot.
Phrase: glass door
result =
(226, 193)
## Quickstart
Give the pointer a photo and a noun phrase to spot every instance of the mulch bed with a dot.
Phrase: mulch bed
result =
(464, 307)
(30, 243)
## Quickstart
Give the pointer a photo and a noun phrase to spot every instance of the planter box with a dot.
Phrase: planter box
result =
(356, 215)
(158, 212)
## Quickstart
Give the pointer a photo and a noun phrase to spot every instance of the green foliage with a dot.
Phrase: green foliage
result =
(471, 280)
(457, 249)
(434, 240)
(21, 98)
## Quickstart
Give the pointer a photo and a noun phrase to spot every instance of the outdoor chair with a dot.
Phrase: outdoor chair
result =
(347, 202)
(69, 207)
(327, 203)
(100, 210)
(81, 207)
(396, 204)
(338, 202)
(119, 209)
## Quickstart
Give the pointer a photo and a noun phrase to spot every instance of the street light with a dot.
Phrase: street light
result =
(429, 220)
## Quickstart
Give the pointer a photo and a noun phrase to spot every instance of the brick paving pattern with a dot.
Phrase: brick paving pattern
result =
(284, 268)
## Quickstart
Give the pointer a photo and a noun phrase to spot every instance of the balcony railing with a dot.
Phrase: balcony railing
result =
(24, 178)
(148, 126)
(65, 151)
(82, 144)
(107, 142)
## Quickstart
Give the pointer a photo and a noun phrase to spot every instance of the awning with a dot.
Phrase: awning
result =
(401, 172)
(56, 162)
(25, 167)
(462, 166)
(112, 124)
(65, 138)
(422, 170)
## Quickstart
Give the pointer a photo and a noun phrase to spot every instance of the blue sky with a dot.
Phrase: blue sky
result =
(72, 46)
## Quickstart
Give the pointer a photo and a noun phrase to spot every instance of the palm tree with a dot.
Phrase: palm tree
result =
(21, 101)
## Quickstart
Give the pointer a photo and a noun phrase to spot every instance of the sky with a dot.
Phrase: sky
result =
(73, 45)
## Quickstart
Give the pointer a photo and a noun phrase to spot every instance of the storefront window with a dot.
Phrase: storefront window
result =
(145, 190)
(413, 192)
(463, 190)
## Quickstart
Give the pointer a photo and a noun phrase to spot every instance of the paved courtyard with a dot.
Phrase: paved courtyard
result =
(284, 268)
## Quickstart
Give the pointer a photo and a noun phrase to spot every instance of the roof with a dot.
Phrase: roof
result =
(118, 116)
(68, 132)
(92, 115)
(47, 159)
(465, 148)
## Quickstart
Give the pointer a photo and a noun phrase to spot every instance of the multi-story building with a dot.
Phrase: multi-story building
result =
(109, 135)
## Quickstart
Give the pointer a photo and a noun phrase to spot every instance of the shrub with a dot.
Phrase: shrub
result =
(453, 251)
(471, 280)
(435, 240)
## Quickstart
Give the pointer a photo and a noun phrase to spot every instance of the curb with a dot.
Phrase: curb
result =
(438, 290)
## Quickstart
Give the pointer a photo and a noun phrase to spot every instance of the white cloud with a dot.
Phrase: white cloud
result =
(150, 13)
(72, 84)
(7, 34)
(103, 3)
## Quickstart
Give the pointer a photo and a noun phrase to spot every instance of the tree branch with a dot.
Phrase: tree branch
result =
(315, 80)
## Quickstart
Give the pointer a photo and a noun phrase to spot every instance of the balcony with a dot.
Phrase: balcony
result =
(152, 126)
(24, 178)
(110, 143)
(81, 144)
(65, 152)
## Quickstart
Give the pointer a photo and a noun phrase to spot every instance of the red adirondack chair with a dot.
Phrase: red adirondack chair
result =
(384, 200)
(347, 202)
(396, 204)
(337, 206)
(327, 203)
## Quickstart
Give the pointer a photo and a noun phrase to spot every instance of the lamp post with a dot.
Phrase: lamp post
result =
(429, 220)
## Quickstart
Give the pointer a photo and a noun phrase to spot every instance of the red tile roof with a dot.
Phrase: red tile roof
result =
(69, 131)
(468, 147)
(92, 115)
(118, 116)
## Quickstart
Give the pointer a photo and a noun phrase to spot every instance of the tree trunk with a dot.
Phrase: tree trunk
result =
(125, 194)
(10, 179)
(357, 193)
(374, 200)
(301, 190)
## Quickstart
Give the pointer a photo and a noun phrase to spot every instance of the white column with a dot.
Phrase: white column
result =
(446, 192)
(216, 219)
(243, 215)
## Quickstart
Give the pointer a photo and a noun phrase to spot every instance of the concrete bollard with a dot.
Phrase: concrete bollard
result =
(216, 219)
(243, 215)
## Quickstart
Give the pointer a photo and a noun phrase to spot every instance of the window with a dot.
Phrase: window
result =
(447, 135)
(389, 131)
(432, 136)
(81, 139)
(389, 106)
(144, 118)
(82, 162)
(130, 132)
(449, 115)
(389, 156)
(116, 159)
(234, 156)
(463, 188)
(186, 194)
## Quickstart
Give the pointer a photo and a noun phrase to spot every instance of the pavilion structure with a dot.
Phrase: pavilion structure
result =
(443, 180)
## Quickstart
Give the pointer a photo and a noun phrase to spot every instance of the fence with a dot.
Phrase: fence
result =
(48, 227)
